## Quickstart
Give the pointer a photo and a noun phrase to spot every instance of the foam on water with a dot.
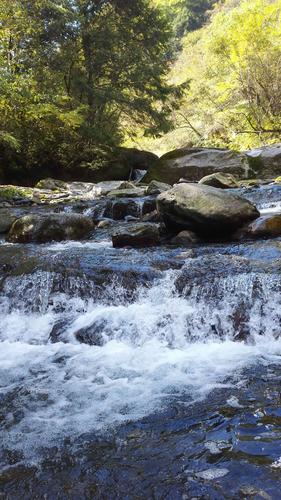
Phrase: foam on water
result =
(157, 349)
(270, 208)
(63, 246)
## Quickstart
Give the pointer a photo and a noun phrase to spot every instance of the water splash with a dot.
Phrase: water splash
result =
(160, 347)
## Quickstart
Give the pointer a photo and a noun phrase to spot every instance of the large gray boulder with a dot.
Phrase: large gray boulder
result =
(265, 161)
(204, 209)
(195, 163)
(50, 227)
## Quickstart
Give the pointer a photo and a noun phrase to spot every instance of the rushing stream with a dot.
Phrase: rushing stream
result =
(149, 373)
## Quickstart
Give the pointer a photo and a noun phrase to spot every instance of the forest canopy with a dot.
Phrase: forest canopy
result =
(231, 69)
(78, 77)
(75, 75)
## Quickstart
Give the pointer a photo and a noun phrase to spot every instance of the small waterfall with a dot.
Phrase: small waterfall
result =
(77, 356)
(99, 210)
(270, 208)
(267, 198)
(235, 307)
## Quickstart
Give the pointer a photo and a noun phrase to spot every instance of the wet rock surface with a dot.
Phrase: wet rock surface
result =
(137, 235)
(49, 227)
(267, 226)
(146, 372)
(204, 210)
(185, 238)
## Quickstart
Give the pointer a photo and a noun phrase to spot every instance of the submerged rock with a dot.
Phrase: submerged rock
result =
(212, 267)
(220, 180)
(204, 210)
(7, 217)
(195, 163)
(236, 289)
(92, 335)
(137, 235)
(50, 227)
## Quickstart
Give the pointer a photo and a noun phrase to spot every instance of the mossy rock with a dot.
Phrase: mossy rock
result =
(50, 227)
(13, 193)
(220, 180)
(55, 185)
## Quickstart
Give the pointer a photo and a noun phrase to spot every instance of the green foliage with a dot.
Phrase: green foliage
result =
(185, 15)
(11, 192)
(232, 71)
(76, 75)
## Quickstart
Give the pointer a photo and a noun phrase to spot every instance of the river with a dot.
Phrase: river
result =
(151, 373)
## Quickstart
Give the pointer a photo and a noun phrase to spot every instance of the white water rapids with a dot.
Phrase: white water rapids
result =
(159, 348)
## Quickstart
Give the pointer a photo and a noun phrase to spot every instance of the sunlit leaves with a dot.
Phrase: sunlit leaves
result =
(78, 74)
(234, 68)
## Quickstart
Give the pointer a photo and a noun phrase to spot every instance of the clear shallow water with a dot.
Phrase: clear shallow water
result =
(167, 404)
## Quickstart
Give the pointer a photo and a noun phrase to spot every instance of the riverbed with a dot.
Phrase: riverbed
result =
(149, 373)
